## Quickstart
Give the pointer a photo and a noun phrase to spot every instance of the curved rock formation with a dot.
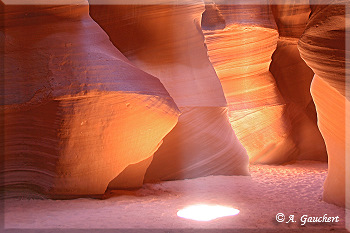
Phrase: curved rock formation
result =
(291, 18)
(322, 46)
(167, 42)
(241, 54)
(77, 112)
(324, 51)
(293, 78)
(201, 144)
(331, 106)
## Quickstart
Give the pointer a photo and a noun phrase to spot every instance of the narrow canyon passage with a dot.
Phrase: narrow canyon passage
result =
(118, 116)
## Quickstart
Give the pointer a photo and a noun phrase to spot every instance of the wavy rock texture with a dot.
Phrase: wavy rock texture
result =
(293, 78)
(77, 112)
(331, 121)
(167, 42)
(322, 46)
(291, 18)
(240, 41)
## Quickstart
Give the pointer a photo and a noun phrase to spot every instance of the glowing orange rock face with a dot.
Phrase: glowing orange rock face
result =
(331, 121)
(167, 42)
(77, 113)
(201, 144)
(241, 54)
(322, 46)
(293, 78)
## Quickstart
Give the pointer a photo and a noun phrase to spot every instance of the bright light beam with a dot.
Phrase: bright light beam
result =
(206, 212)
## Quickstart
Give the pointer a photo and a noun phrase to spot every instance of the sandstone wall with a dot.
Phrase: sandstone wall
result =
(76, 111)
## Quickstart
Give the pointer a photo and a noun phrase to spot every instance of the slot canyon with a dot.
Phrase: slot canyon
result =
(116, 114)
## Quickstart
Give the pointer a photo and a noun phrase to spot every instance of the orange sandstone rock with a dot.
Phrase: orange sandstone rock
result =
(322, 46)
(331, 106)
(167, 42)
(291, 18)
(241, 54)
(293, 78)
(77, 112)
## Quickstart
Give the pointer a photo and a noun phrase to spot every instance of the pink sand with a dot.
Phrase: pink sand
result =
(291, 189)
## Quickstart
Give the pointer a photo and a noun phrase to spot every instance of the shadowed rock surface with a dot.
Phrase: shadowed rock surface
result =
(167, 42)
(293, 78)
(77, 112)
(322, 46)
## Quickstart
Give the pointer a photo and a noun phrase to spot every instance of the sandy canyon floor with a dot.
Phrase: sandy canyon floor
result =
(294, 189)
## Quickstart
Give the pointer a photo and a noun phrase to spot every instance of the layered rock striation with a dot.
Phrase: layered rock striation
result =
(240, 41)
(293, 78)
(167, 42)
(322, 46)
(76, 111)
